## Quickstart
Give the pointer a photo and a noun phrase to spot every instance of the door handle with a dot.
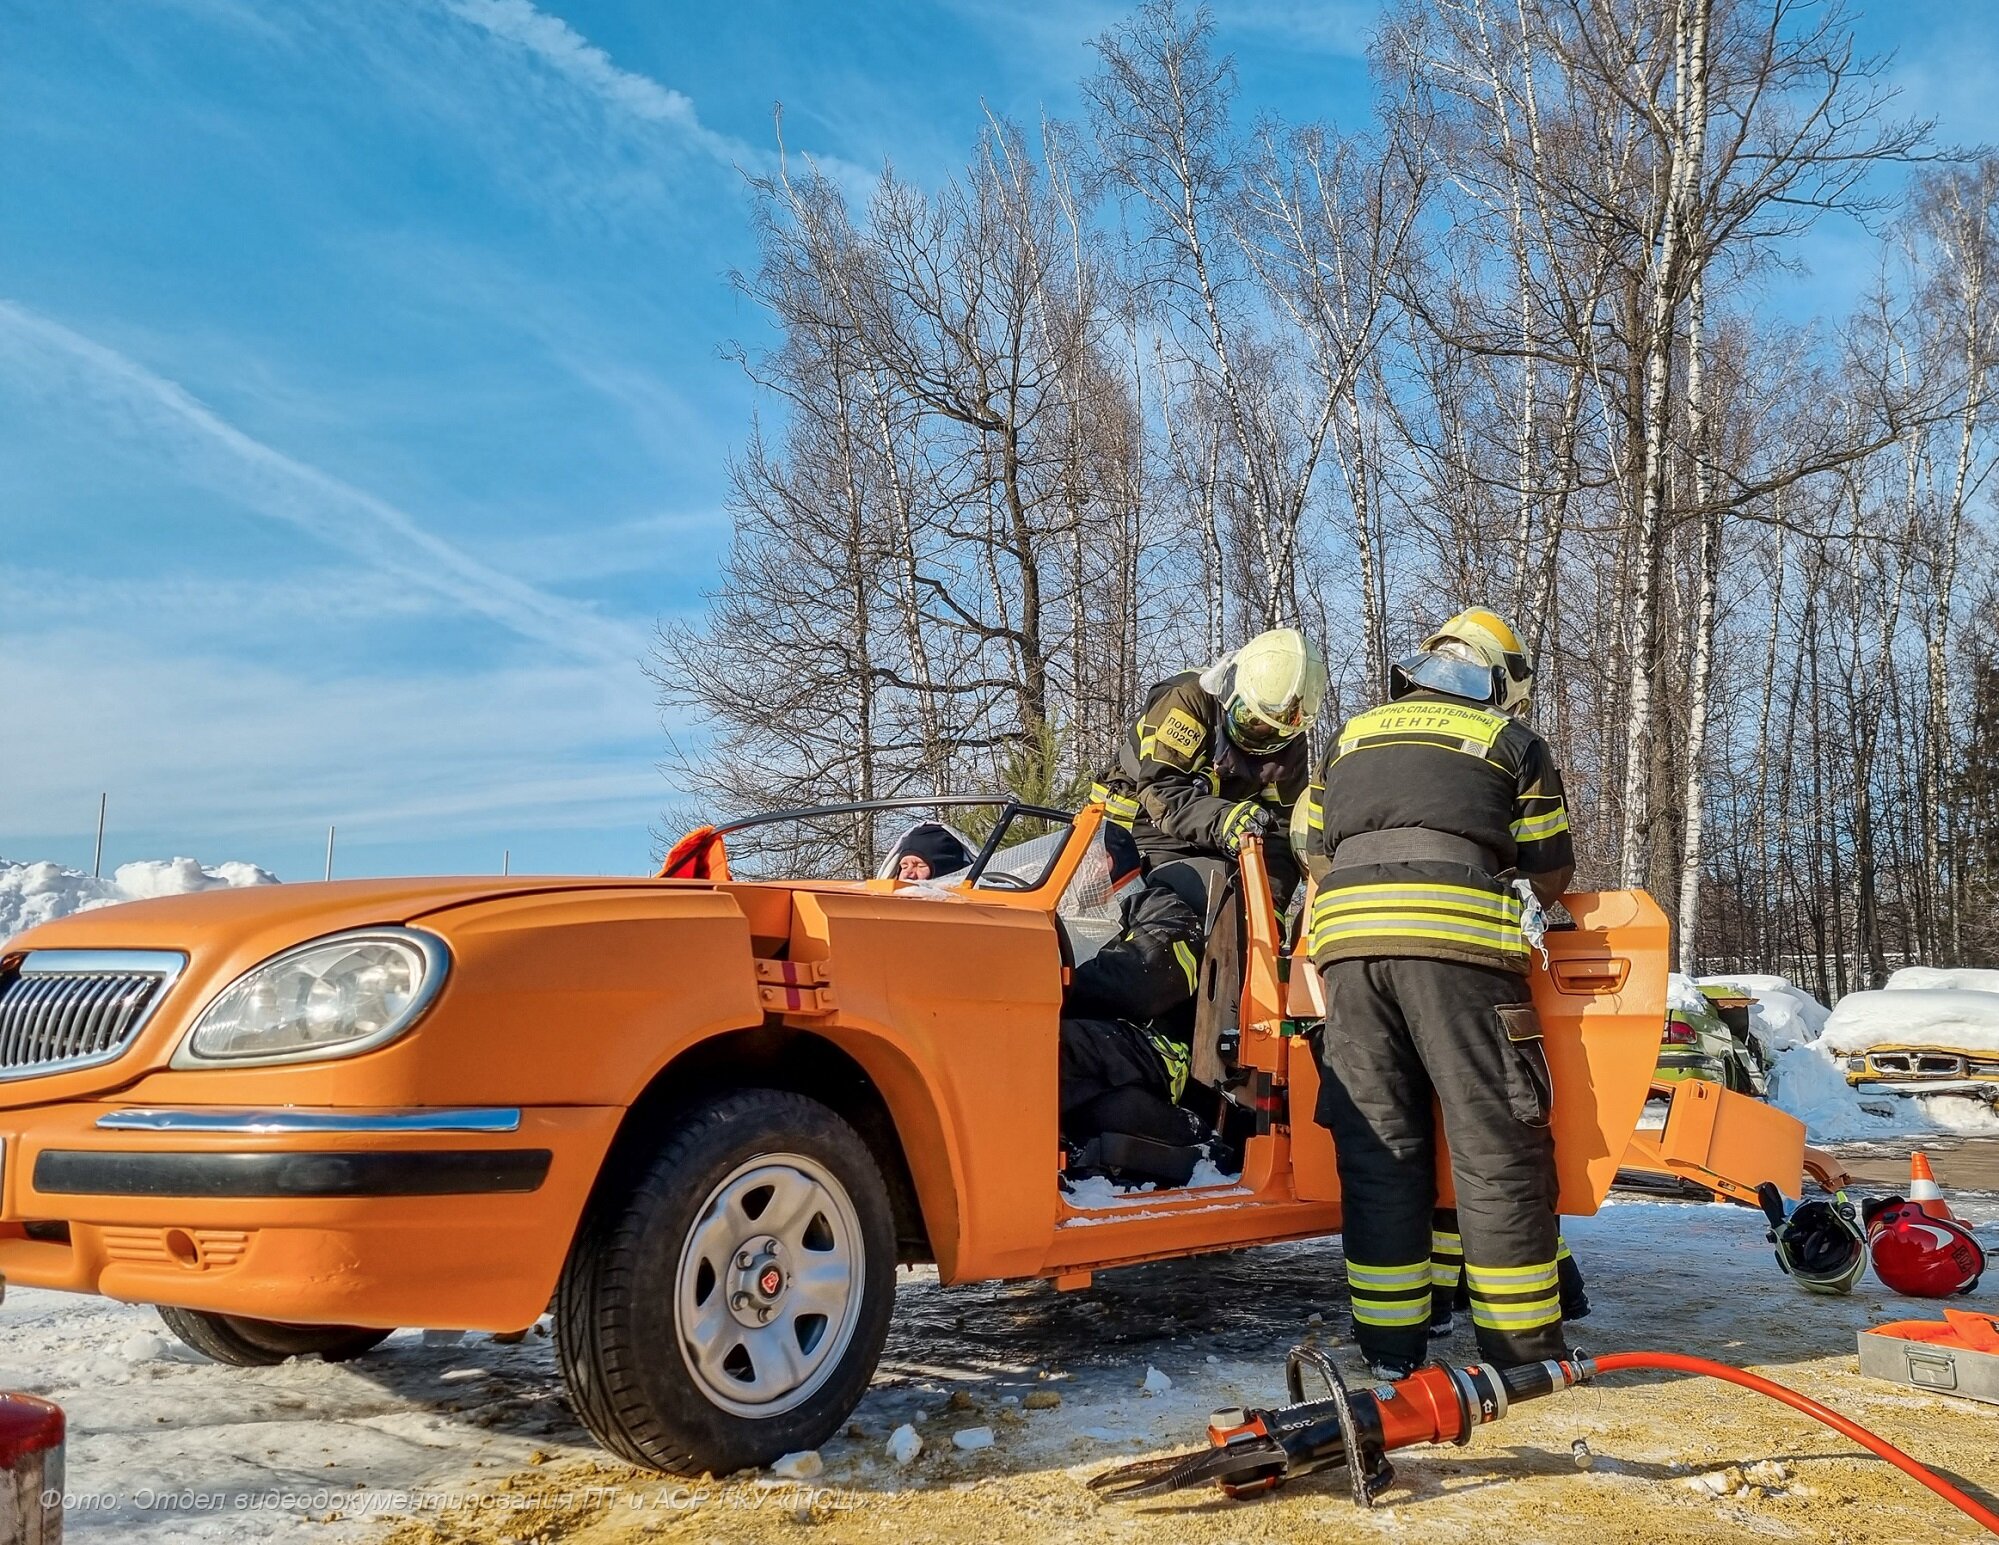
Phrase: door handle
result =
(1587, 977)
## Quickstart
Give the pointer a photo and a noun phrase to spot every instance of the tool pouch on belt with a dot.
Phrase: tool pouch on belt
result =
(1530, 1090)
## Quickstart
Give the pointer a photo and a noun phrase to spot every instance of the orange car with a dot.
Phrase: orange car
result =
(705, 1117)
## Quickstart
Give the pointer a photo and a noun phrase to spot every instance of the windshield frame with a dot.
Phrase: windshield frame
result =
(1012, 808)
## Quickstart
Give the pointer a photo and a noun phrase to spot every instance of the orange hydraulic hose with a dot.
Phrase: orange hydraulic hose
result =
(1676, 1362)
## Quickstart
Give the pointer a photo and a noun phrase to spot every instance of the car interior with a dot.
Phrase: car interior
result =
(1088, 917)
(1129, 1153)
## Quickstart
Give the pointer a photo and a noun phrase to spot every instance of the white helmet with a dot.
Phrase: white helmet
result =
(1476, 655)
(1275, 684)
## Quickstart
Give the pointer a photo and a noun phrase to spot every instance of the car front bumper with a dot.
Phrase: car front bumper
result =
(446, 1218)
(1986, 1089)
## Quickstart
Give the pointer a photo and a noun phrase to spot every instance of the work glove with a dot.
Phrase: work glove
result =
(1248, 819)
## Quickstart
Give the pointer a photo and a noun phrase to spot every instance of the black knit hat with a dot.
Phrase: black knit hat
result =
(1122, 849)
(936, 846)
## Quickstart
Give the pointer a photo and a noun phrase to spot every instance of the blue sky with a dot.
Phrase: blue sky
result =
(360, 400)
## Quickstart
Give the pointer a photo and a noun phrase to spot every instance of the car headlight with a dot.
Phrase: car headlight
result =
(334, 997)
(1856, 1064)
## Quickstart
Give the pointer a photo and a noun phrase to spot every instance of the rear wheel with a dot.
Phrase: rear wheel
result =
(247, 1343)
(728, 1303)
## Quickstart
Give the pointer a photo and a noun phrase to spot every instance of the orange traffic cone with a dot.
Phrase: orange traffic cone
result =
(1923, 1188)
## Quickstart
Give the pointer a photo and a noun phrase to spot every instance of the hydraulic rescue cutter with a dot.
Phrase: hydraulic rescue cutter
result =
(1256, 1451)
(1253, 1451)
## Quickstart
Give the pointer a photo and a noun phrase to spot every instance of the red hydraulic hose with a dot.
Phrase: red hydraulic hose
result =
(1676, 1362)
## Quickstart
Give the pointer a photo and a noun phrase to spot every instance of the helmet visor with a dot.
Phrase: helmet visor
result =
(1442, 673)
(1259, 731)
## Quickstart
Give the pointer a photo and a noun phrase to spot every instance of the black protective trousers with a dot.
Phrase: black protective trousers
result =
(1397, 1033)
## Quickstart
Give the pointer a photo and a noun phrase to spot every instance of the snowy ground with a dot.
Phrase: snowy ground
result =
(426, 1443)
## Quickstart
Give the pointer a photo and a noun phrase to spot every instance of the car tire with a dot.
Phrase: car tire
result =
(758, 1203)
(247, 1343)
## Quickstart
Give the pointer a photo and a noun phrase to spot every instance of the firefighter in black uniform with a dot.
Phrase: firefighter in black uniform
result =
(1219, 756)
(1424, 811)
(1128, 1015)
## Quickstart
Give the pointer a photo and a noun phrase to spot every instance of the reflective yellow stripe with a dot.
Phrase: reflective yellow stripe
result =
(1415, 1311)
(1528, 1316)
(1445, 1273)
(1446, 1244)
(1119, 809)
(1439, 913)
(1388, 1276)
(1512, 1279)
(1437, 932)
(1176, 1057)
(1470, 897)
(1561, 1248)
(1444, 909)
(1184, 953)
(1541, 827)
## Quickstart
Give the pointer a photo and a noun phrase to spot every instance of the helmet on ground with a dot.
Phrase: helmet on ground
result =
(1819, 1243)
(1276, 683)
(1476, 655)
(1919, 1256)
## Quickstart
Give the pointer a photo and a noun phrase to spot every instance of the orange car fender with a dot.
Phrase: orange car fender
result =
(953, 1007)
(929, 1143)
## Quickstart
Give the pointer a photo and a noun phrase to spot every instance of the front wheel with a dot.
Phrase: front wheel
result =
(728, 1303)
(246, 1343)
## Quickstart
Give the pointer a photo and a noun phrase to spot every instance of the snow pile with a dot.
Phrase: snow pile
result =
(1806, 1082)
(1783, 1016)
(1684, 996)
(1808, 1045)
(1915, 1016)
(39, 893)
(1924, 978)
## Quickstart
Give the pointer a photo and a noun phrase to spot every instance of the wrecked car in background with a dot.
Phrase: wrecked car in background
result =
(1927, 1032)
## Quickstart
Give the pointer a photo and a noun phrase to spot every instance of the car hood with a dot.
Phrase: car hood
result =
(296, 911)
(225, 932)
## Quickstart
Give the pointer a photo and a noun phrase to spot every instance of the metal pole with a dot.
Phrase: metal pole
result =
(97, 853)
(329, 852)
(506, 861)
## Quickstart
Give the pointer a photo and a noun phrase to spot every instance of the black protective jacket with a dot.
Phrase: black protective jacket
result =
(1148, 973)
(1437, 764)
(1178, 776)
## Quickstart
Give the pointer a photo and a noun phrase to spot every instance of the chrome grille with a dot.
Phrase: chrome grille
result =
(63, 1009)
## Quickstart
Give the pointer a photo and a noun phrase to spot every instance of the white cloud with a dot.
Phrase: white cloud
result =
(50, 359)
(561, 48)
(1339, 27)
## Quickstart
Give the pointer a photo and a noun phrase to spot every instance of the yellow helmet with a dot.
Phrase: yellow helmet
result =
(1275, 686)
(1477, 655)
